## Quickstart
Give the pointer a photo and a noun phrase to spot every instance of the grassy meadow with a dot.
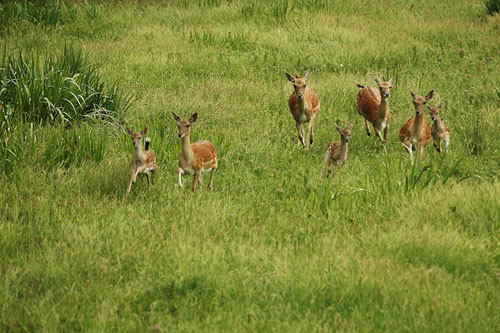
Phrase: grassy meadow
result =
(380, 246)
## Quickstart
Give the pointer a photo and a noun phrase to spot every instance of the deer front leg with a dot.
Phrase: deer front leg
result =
(211, 178)
(147, 177)
(180, 171)
(409, 147)
(379, 135)
(133, 177)
(367, 128)
(152, 178)
(308, 134)
(196, 178)
(386, 130)
(300, 130)
(439, 145)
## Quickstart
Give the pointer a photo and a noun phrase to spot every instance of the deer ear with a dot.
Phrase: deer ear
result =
(413, 94)
(289, 77)
(430, 94)
(306, 76)
(440, 105)
(430, 109)
(176, 116)
(194, 117)
(338, 128)
(144, 131)
(128, 130)
(349, 127)
(390, 80)
(377, 80)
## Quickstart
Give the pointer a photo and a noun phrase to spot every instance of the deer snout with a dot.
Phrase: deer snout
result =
(418, 112)
(179, 135)
(346, 140)
(387, 95)
(300, 96)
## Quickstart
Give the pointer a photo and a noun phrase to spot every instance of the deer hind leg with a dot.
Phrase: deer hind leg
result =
(147, 177)
(211, 178)
(300, 131)
(386, 130)
(309, 138)
(330, 167)
(196, 179)
(152, 178)
(367, 128)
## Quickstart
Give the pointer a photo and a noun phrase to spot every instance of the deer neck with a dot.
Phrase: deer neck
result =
(419, 121)
(383, 108)
(343, 150)
(187, 151)
(138, 153)
(439, 123)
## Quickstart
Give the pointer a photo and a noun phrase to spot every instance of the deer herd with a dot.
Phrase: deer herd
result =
(372, 103)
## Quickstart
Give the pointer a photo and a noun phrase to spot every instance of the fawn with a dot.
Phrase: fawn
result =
(304, 106)
(337, 150)
(373, 105)
(197, 157)
(143, 161)
(416, 133)
(439, 129)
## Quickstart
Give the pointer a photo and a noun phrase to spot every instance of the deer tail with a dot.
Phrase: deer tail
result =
(148, 141)
(360, 86)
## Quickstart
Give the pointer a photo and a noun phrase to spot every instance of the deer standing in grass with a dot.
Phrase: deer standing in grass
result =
(304, 106)
(143, 161)
(439, 130)
(373, 105)
(337, 150)
(416, 133)
(197, 157)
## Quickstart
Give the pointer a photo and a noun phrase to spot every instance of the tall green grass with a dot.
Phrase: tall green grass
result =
(58, 87)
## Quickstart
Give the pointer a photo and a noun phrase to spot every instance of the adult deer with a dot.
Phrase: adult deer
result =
(373, 105)
(194, 158)
(416, 133)
(304, 106)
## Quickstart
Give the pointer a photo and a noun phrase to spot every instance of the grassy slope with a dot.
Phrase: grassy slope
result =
(271, 247)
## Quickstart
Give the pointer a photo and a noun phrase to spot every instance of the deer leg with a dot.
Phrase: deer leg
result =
(308, 134)
(133, 177)
(312, 132)
(327, 159)
(180, 174)
(147, 177)
(379, 135)
(211, 178)
(386, 130)
(196, 178)
(300, 130)
(330, 166)
(152, 178)
(367, 128)
(439, 145)
(421, 151)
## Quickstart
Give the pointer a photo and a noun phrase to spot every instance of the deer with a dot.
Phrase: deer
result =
(143, 161)
(195, 158)
(416, 132)
(336, 153)
(439, 130)
(373, 105)
(304, 106)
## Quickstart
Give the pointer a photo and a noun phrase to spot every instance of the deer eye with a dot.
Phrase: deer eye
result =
(188, 125)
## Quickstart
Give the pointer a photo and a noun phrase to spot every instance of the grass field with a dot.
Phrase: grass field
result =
(380, 246)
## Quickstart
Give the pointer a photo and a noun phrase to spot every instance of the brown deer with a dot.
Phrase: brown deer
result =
(416, 133)
(143, 161)
(373, 105)
(195, 158)
(439, 130)
(337, 150)
(304, 106)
